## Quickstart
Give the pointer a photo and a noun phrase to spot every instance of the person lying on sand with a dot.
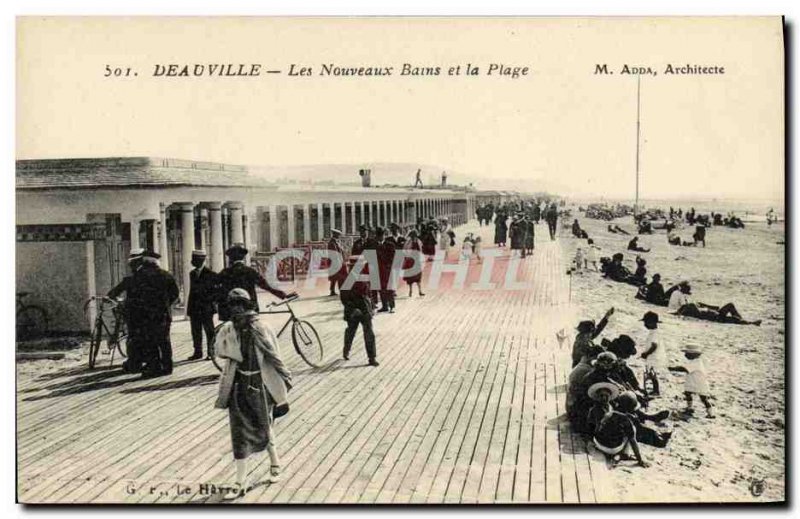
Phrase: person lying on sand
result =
(696, 382)
(616, 271)
(616, 229)
(682, 304)
(634, 245)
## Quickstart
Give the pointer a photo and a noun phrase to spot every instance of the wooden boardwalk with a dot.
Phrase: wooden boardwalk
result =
(466, 407)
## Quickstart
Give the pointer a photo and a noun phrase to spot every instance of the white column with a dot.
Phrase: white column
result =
(290, 223)
(135, 234)
(215, 226)
(237, 234)
(363, 212)
(251, 227)
(306, 223)
(162, 236)
(320, 222)
(203, 227)
(354, 228)
(343, 211)
(187, 244)
(273, 226)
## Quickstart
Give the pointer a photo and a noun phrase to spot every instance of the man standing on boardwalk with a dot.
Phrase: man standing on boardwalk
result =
(151, 292)
(335, 248)
(201, 307)
(239, 275)
(551, 215)
(358, 310)
(386, 251)
(135, 329)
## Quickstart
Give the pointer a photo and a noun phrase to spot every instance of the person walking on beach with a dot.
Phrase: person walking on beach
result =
(253, 386)
(696, 382)
(201, 306)
(358, 310)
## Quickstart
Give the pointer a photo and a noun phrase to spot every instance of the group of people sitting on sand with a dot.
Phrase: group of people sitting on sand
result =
(605, 401)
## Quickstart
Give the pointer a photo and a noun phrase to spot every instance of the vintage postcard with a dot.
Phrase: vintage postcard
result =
(400, 260)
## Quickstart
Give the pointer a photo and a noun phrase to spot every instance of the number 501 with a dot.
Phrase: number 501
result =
(117, 72)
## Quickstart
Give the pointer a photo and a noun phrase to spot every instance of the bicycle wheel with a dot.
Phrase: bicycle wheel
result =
(94, 345)
(217, 362)
(31, 322)
(122, 340)
(307, 343)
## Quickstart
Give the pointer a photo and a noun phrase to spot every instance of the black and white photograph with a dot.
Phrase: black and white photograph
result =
(400, 260)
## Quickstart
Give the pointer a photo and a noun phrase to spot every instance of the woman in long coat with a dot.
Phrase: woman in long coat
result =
(415, 247)
(253, 386)
(500, 229)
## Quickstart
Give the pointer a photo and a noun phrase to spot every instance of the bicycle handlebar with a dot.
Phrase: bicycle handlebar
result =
(283, 302)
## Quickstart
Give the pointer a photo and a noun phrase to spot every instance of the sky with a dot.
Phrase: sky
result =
(561, 128)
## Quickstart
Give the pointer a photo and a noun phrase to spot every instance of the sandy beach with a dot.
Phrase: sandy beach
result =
(739, 456)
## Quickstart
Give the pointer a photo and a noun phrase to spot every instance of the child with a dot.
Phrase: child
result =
(579, 260)
(467, 248)
(591, 254)
(654, 355)
(696, 381)
(614, 432)
(476, 248)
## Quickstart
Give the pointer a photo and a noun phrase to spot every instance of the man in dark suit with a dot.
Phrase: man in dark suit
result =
(239, 275)
(201, 306)
(133, 364)
(151, 292)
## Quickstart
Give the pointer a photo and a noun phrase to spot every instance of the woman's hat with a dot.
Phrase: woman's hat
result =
(336, 231)
(623, 346)
(599, 386)
(606, 359)
(691, 348)
(238, 294)
(627, 402)
(585, 326)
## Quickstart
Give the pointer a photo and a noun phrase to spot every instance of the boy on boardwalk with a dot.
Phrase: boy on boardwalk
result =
(696, 382)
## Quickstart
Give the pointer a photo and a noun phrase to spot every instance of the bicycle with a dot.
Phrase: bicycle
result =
(305, 338)
(31, 320)
(116, 333)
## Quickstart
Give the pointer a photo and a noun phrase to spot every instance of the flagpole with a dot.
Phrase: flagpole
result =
(638, 125)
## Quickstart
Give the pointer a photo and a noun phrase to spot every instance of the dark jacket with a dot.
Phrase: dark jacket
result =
(240, 275)
(150, 293)
(356, 302)
(203, 293)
